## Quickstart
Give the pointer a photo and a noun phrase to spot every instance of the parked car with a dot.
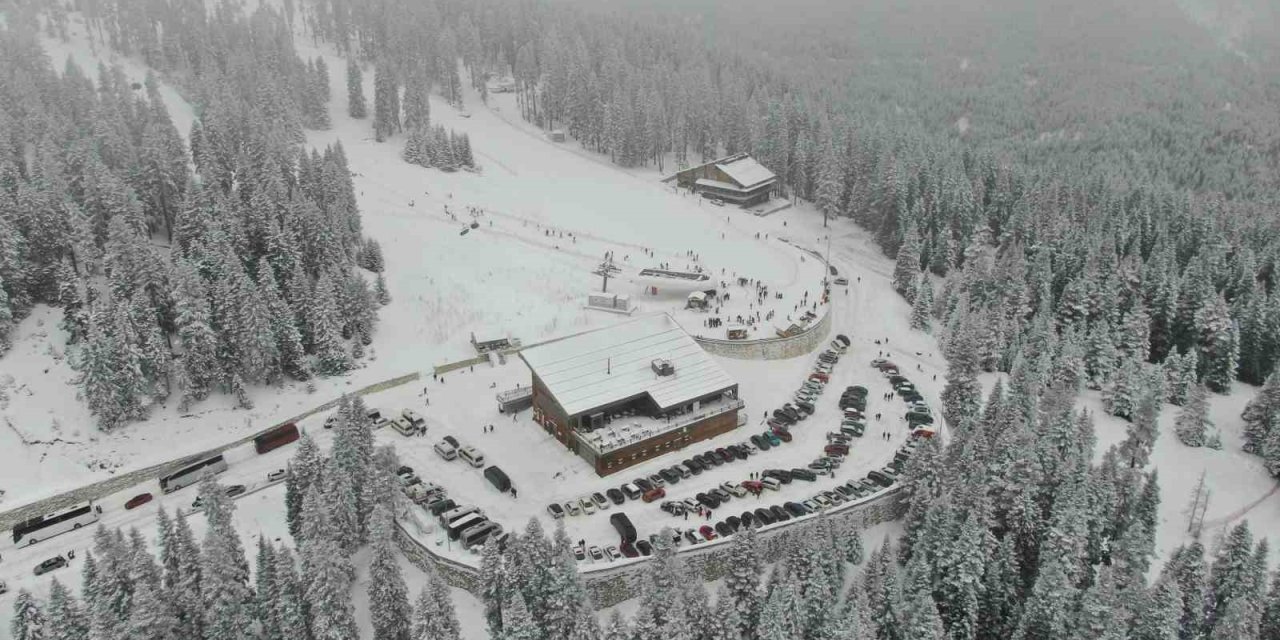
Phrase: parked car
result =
(52, 564)
(588, 507)
(724, 529)
(138, 501)
(720, 494)
(579, 553)
(612, 552)
(707, 531)
(812, 506)
(692, 537)
(615, 496)
(235, 490)
(602, 503)
(656, 480)
(805, 406)
(804, 474)
(735, 489)
(738, 452)
(4, 587)
(632, 490)
(670, 475)
(555, 510)
(471, 456)
(597, 553)
(844, 339)
(644, 547)
(795, 509)
(773, 484)
(880, 478)
(822, 500)
(754, 486)
(764, 516)
(779, 514)
(782, 475)
(629, 550)
(571, 508)
(277, 475)
(656, 493)
(446, 450)
(836, 449)
(734, 522)
(761, 443)
(773, 439)
(643, 484)
(707, 500)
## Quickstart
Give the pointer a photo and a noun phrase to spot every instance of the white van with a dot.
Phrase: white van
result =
(403, 427)
(446, 450)
(472, 457)
(413, 418)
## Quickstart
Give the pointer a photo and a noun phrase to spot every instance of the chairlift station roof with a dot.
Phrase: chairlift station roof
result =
(614, 363)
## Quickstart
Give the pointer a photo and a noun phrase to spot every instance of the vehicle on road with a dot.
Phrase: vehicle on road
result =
(276, 476)
(275, 438)
(472, 456)
(40, 528)
(137, 501)
(192, 473)
(52, 564)
(236, 490)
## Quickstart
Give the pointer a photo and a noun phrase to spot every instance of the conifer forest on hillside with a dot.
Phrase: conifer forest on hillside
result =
(1076, 204)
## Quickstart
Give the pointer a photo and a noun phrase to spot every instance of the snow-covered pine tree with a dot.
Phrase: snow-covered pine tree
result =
(388, 597)
(267, 591)
(380, 290)
(922, 307)
(322, 80)
(289, 609)
(906, 270)
(151, 615)
(742, 583)
(517, 621)
(1122, 396)
(28, 622)
(493, 585)
(1219, 345)
(224, 570)
(355, 90)
(415, 102)
(1193, 417)
(1261, 415)
(68, 619)
(386, 102)
(1100, 355)
(303, 472)
(962, 395)
(342, 507)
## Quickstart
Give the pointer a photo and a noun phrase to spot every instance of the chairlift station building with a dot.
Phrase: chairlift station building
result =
(629, 392)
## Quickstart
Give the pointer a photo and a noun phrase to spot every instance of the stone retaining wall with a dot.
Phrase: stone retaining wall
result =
(100, 490)
(610, 585)
(772, 348)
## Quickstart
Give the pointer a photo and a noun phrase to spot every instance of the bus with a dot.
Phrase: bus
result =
(479, 533)
(45, 527)
(192, 474)
(277, 437)
(456, 527)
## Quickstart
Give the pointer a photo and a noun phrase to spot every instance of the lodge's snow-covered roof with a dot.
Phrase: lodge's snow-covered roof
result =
(746, 171)
(613, 363)
(727, 186)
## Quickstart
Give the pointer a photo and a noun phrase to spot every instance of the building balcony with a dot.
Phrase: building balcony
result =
(630, 430)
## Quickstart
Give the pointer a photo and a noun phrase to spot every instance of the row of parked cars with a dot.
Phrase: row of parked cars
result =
(918, 416)
(652, 488)
(466, 524)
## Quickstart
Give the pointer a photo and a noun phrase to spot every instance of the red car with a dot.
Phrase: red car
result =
(138, 501)
(707, 532)
(754, 486)
(836, 450)
(820, 377)
(656, 493)
(782, 433)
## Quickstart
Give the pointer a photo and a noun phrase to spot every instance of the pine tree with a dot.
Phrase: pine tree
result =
(327, 578)
(829, 188)
(1122, 397)
(493, 585)
(517, 622)
(224, 571)
(962, 395)
(64, 611)
(743, 580)
(380, 288)
(1193, 417)
(1158, 619)
(1261, 415)
(388, 596)
(417, 108)
(1230, 578)
(907, 268)
(28, 622)
(1270, 623)
(355, 90)
(1219, 345)
(302, 474)
(289, 609)
(386, 102)
(151, 616)
(922, 307)
(1100, 355)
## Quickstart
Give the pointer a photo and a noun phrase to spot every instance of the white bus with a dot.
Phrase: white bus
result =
(477, 534)
(45, 527)
(192, 474)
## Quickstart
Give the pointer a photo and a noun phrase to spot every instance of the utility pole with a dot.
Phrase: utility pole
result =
(605, 270)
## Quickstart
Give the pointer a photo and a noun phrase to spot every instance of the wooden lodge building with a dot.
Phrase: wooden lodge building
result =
(630, 392)
(736, 179)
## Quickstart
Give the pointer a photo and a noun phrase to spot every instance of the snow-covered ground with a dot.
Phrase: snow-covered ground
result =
(512, 275)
